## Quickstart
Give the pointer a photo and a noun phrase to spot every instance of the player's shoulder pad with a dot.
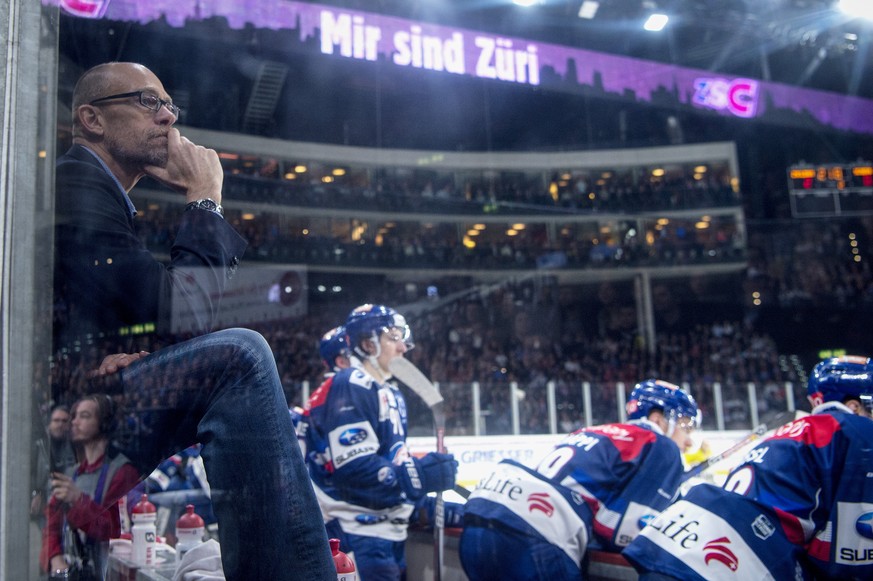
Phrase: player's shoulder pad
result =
(816, 430)
(357, 377)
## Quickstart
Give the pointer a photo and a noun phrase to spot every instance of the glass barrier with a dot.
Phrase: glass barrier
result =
(550, 232)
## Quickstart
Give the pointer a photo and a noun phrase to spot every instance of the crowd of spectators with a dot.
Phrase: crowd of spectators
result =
(578, 191)
(409, 244)
(514, 333)
(529, 334)
(824, 263)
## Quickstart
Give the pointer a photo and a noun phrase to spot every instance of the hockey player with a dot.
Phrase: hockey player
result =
(364, 478)
(334, 349)
(596, 488)
(799, 506)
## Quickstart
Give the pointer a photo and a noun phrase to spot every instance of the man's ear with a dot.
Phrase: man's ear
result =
(368, 346)
(816, 400)
(855, 406)
(655, 415)
(90, 119)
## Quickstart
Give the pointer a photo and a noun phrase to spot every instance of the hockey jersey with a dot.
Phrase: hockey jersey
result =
(354, 429)
(808, 490)
(609, 480)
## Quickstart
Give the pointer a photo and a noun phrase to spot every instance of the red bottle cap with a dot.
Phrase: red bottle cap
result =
(190, 520)
(342, 561)
(144, 506)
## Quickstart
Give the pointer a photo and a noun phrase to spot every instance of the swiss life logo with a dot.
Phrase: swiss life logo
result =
(540, 501)
(85, 8)
(717, 550)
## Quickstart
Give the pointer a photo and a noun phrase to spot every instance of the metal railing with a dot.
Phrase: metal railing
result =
(557, 407)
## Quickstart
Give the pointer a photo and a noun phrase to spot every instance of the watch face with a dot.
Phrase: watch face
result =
(207, 204)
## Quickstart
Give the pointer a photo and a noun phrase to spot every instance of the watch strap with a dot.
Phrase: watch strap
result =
(205, 204)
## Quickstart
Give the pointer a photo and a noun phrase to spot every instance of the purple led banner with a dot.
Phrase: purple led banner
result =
(369, 37)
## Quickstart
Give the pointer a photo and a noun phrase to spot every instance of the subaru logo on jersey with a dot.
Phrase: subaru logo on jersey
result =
(540, 501)
(353, 436)
(864, 525)
(717, 550)
(644, 520)
(762, 527)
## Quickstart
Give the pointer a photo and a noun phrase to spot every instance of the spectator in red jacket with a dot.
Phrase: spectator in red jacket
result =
(83, 511)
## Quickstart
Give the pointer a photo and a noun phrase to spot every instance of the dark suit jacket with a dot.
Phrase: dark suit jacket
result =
(107, 278)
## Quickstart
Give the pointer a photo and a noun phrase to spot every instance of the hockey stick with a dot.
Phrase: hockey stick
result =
(778, 420)
(409, 374)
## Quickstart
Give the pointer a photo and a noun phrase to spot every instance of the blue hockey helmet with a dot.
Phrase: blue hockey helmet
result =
(369, 321)
(840, 379)
(654, 394)
(333, 344)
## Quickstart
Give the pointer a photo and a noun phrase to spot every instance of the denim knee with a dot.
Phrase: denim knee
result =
(253, 349)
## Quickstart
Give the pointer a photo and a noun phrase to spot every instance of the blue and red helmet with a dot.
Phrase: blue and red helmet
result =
(840, 379)
(369, 321)
(332, 345)
(654, 394)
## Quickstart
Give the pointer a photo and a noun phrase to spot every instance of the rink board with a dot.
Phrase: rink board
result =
(419, 557)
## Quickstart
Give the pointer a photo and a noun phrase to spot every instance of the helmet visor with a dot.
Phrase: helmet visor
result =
(687, 423)
(400, 334)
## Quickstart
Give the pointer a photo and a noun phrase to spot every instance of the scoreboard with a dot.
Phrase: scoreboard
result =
(831, 189)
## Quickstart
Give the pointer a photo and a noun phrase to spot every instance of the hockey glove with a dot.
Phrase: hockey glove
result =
(432, 473)
(423, 514)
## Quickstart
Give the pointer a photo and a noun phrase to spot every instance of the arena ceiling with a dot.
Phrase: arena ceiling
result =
(212, 73)
(811, 43)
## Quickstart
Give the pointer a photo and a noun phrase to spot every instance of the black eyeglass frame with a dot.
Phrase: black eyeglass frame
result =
(174, 109)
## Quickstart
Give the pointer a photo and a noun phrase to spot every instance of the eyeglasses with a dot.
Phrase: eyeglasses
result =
(148, 100)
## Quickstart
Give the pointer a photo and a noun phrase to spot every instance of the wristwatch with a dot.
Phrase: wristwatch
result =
(205, 204)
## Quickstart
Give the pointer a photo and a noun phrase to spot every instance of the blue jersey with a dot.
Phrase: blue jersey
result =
(604, 480)
(355, 434)
(810, 486)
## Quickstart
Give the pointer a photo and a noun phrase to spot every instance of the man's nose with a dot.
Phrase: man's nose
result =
(164, 117)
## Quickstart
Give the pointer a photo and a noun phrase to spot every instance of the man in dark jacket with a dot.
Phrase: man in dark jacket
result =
(221, 389)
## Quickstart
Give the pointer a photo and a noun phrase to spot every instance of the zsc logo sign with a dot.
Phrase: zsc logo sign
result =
(353, 436)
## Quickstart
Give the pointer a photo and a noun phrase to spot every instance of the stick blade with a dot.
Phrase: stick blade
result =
(406, 371)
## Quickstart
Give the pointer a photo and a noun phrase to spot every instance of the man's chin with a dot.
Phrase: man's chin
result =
(160, 160)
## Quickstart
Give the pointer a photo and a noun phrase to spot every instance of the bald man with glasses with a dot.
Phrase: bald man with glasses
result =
(221, 388)
(123, 131)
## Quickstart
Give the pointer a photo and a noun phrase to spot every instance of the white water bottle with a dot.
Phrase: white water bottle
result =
(189, 531)
(143, 533)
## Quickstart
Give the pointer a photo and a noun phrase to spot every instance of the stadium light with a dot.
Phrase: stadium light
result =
(525, 2)
(857, 8)
(656, 22)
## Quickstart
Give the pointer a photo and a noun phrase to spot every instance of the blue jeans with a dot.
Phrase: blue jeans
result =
(377, 559)
(223, 390)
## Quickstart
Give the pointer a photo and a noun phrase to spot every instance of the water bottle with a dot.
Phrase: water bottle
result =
(189, 531)
(345, 567)
(143, 532)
